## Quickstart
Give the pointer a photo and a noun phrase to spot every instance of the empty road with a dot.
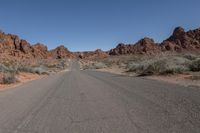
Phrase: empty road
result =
(96, 102)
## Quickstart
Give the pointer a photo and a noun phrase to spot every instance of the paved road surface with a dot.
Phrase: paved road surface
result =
(95, 102)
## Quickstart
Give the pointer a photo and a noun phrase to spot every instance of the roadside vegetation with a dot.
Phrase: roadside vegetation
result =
(145, 65)
(10, 70)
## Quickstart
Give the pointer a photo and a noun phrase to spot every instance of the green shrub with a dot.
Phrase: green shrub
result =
(40, 70)
(3, 68)
(156, 67)
(9, 78)
(132, 67)
(99, 65)
(25, 69)
(195, 65)
(190, 56)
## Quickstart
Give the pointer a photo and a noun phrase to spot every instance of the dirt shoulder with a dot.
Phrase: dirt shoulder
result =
(181, 79)
(114, 70)
(22, 78)
(189, 79)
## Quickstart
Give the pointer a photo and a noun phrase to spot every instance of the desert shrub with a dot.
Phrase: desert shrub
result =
(190, 56)
(85, 67)
(11, 69)
(52, 66)
(99, 65)
(157, 67)
(9, 78)
(149, 67)
(195, 65)
(25, 69)
(132, 66)
(153, 67)
(94, 65)
(37, 69)
(3, 68)
(40, 70)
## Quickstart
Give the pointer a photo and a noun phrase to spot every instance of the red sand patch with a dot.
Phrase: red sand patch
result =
(23, 78)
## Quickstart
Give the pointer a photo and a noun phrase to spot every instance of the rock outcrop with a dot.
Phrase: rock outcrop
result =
(144, 46)
(41, 50)
(179, 41)
(14, 48)
(92, 54)
(61, 52)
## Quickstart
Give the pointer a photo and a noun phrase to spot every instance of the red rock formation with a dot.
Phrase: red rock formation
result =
(61, 52)
(41, 50)
(181, 41)
(92, 54)
(144, 46)
(14, 48)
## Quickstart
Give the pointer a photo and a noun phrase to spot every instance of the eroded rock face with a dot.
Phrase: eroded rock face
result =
(144, 46)
(147, 46)
(41, 50)
(92, 54)
(16, 49)
(61, 52)
(181, 41)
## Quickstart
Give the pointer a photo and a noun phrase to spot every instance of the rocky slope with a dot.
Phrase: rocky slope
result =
(91, 54)
(179, 41)
(182, 41)
(144, 46)
(60, 52)
(14, 48)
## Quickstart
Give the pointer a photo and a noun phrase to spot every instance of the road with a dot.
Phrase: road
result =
(97, 102)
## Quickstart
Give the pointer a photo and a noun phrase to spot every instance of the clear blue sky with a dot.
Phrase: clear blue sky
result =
(90, 24)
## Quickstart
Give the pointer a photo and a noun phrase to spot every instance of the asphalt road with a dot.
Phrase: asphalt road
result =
(96, 102)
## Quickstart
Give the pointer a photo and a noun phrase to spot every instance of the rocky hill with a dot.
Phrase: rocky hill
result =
(144, 46)
(14, 48)
(60, 52)
(179, 41)
(91, 54)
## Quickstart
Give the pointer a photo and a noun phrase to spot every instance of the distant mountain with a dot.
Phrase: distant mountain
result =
(13, 48)
(179, 41)
(91, 54)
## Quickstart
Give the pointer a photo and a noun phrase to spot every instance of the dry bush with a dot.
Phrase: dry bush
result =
(9, 78)
(94, 65)
(195, 65)
(159, 66)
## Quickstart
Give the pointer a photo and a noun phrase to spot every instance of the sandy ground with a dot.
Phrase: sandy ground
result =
(114, 70)
(181, 79)
(23, 78)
